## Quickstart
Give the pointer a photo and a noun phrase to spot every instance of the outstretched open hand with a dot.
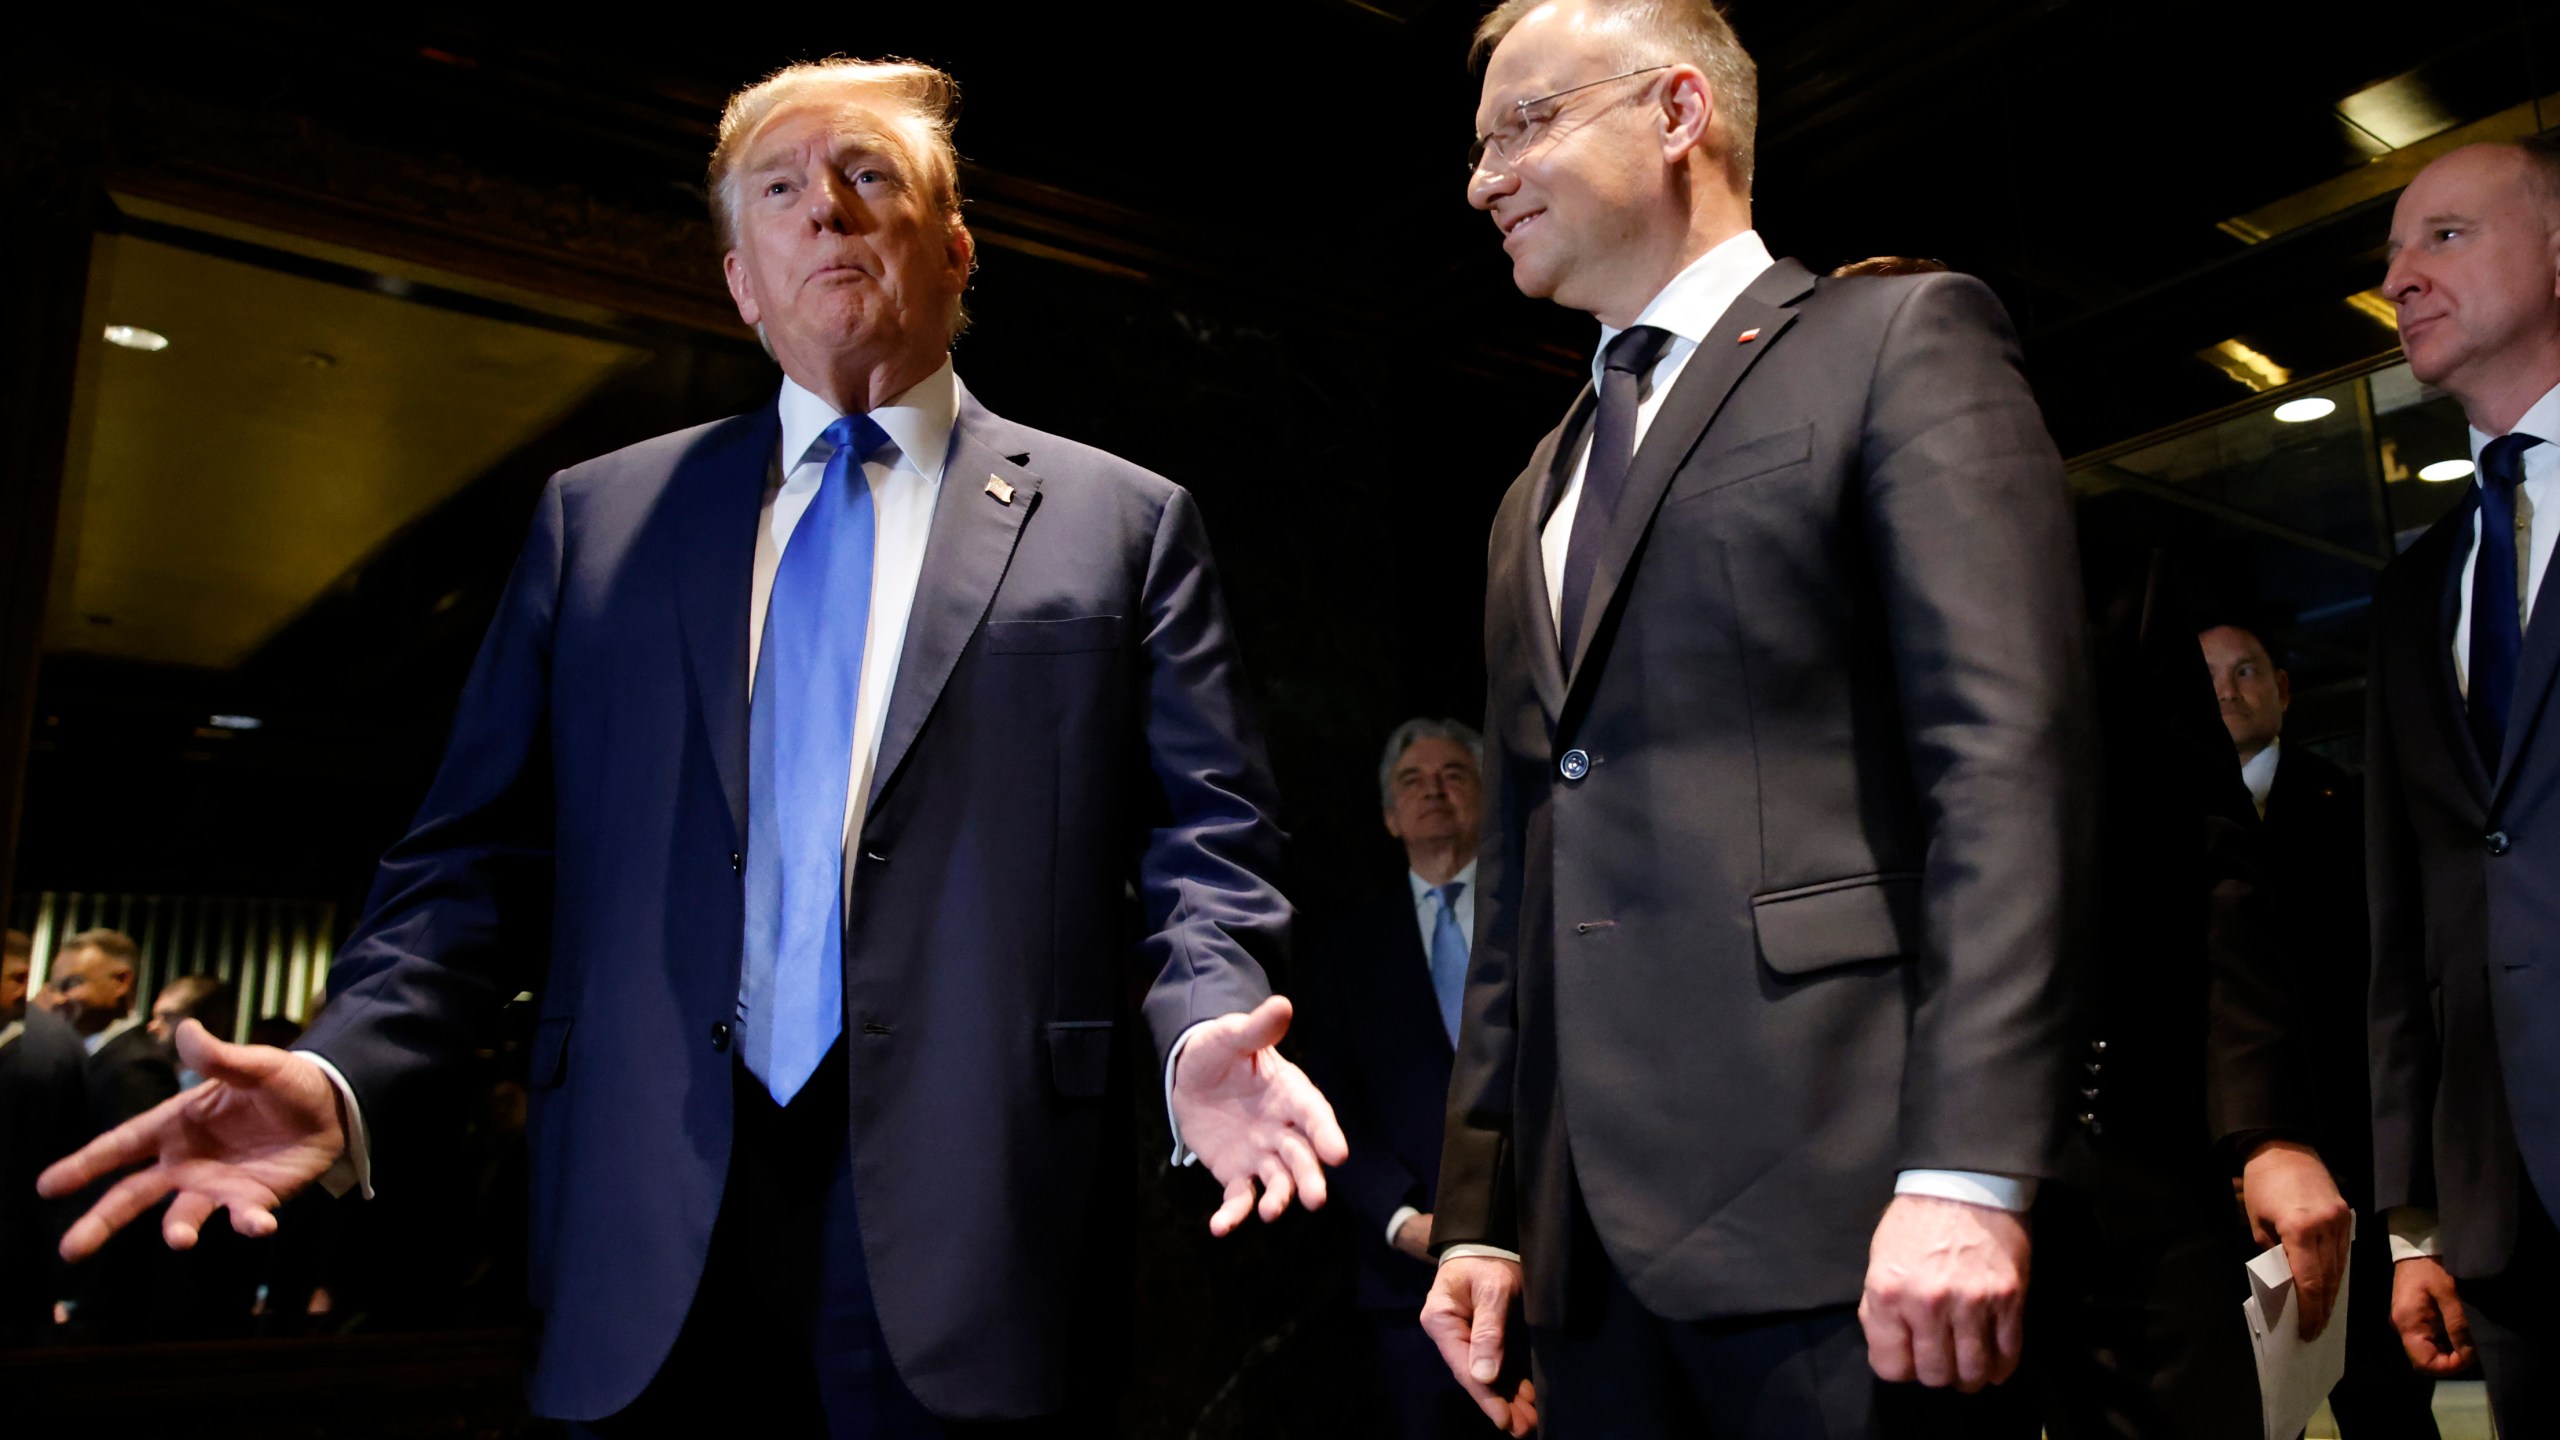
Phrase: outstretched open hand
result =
(1249, 1114)
(263, 1126)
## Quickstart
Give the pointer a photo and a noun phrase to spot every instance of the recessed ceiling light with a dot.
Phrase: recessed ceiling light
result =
(2444, 471)
(134, 337)
(2309, 407)
(234, 722)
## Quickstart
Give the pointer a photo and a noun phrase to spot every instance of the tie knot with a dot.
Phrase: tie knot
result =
(1636, 349)
(1449, 894)
(2502, 459)
(858, 434)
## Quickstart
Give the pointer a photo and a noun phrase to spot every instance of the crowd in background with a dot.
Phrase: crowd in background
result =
(79, 1055)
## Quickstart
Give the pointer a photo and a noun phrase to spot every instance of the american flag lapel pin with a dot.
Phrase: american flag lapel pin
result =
(997, 487)
(1747, 336)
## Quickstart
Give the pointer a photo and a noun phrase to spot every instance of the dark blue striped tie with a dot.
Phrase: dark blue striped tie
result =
(1629, 358)
(2497, 629)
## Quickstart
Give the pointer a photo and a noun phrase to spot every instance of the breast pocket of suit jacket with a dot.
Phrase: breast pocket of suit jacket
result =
(1760, 458)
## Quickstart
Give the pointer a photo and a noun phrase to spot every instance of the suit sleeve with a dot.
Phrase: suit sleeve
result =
(1214, 916)
(459, 917)
(1373, 1180)
(2404, 1054)
(1478, 1196)
(1968, 519)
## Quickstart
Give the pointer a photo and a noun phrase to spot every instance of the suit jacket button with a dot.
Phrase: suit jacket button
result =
(720, 1035)
(1573, 764)
(2498, 842)
(735, 866)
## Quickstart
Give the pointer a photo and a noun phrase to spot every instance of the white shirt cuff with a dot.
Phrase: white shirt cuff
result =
(1997, 1192)
(1182, 1154)
(1490, 1252)
(1396, 1221)
(354, 1168)
(2413, 1234)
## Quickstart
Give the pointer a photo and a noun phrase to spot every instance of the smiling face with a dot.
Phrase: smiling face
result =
(2475, 278)
(847, 259)
(1588, 207)
(94, 989)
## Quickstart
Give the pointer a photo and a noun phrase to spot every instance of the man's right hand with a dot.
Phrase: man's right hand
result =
(1469, 1304)
(263, 1126)
(2428, 1315)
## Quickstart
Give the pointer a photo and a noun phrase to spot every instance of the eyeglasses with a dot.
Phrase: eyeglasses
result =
(1513, 140)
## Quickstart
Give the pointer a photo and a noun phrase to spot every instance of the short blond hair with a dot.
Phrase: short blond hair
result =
(922, 99)
(1668, 32)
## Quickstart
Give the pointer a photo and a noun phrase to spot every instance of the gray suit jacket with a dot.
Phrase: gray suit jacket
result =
(1797, 924)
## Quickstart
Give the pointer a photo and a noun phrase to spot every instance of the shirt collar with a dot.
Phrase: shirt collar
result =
(2542, 422)
(918, 422)
(1422, 888)
(12, 1031)
(2260, 774)
(1698, 296)
(98, 1042)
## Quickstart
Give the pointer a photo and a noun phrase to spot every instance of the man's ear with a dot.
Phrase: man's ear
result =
(1688, 112)
(734, 271)
(2284, 692)
(1393, 828)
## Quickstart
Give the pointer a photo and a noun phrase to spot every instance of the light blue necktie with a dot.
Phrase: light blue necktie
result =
(799, 761)
(1449, 957)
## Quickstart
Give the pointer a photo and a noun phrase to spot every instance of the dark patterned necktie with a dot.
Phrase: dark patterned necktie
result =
(1629, 359)
(2497, 623)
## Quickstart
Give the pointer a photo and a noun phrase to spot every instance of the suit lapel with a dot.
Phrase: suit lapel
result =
(964, 560)
(2438, 640)
(2534, 671)
(1719, 364)
(717, 495)
(1537, 608)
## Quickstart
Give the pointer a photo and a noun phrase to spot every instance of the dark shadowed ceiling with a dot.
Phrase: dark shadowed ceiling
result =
(2140, 181)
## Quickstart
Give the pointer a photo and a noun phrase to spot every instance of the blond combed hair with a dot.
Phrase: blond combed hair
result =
(922, 103)
(1667, 32)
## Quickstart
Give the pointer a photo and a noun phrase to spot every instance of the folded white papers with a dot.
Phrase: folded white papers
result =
(2294, 1376)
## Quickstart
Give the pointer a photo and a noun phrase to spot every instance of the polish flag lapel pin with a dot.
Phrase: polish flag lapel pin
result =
(1747, 336)
(997, 487)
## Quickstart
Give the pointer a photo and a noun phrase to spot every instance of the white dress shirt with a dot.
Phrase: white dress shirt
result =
(2542, 491)
(2413, 1228)
(1690, 307)
(2259, 774)
(11, 1032)
(1426, 918)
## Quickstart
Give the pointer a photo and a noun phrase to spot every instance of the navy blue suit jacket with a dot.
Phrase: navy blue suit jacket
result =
(1376, 1047)
(2463, 883)
(1068, 724)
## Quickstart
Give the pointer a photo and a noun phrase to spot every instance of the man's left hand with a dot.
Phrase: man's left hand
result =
(1946, 1293)
(1251, 1115)
(2292, 1201)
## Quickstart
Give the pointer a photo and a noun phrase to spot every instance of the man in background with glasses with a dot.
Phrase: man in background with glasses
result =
(1788, 797)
